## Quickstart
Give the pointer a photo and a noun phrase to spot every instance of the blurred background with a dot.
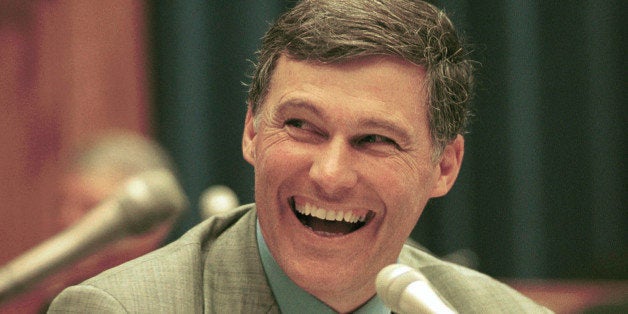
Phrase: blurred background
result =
(540, 201)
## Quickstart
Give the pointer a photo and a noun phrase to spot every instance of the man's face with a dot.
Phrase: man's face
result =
(342, 167)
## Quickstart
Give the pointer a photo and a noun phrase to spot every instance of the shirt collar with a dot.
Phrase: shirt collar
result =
(291, 298)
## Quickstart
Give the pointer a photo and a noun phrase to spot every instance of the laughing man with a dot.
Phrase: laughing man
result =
(356, 115)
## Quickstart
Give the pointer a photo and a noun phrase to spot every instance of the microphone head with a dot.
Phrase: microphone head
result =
(218, 199)
(391, 282)
(150, 198)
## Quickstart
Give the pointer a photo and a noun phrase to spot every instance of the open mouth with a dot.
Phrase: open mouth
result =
(329, 223)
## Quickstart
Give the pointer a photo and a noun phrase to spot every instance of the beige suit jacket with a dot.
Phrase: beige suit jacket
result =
(216, 268)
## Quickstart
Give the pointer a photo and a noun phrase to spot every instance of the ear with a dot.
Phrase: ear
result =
(449, 166)
(248, 145)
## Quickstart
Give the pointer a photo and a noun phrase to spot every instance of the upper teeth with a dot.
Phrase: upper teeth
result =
(331, 215)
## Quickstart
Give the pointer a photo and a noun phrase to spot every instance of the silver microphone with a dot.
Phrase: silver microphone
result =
(407, 291)
(143, 202)
(217, 199)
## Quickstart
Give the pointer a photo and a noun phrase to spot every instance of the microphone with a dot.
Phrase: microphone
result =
(217, 199)
(143, 202)
(407, 291)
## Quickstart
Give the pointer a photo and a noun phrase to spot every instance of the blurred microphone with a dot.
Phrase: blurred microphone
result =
(217, 199)
(142, 203)
(407, 291)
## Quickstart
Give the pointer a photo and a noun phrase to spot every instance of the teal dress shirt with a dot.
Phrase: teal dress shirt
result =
(292, 299)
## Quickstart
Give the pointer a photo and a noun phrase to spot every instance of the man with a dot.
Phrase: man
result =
(355, 120)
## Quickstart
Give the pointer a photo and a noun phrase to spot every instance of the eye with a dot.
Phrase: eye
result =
(374, 139)
(294, 123)
(303, 130)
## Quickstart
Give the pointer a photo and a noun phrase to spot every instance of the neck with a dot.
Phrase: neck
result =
(342, 299)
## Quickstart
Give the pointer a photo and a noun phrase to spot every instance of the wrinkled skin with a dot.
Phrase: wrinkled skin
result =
(347, 137)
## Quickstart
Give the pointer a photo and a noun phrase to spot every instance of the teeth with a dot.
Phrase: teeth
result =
(331, 215)
(347, 216)
(321, 213)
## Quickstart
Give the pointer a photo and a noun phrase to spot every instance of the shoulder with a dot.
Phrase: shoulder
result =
(181, 257)
(171, 276)
(467, 290)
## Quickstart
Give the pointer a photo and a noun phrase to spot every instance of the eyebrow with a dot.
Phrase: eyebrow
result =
(298, 103)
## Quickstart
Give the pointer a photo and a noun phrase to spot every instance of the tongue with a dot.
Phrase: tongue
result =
(333, 227)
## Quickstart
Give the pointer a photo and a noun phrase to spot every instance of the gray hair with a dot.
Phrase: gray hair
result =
(333, 31)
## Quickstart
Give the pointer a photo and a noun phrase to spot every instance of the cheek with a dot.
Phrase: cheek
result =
(279, 158)
(278, 162)
(405, 190)
(403, 210)
(268, 151)
(404, 181)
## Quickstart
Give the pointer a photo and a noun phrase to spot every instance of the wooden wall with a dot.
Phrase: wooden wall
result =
(68, 69)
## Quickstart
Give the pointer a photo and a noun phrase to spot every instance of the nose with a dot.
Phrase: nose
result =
(333, 169)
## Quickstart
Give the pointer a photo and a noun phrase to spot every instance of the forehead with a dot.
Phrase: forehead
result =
(383, 83)
(375, 70)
